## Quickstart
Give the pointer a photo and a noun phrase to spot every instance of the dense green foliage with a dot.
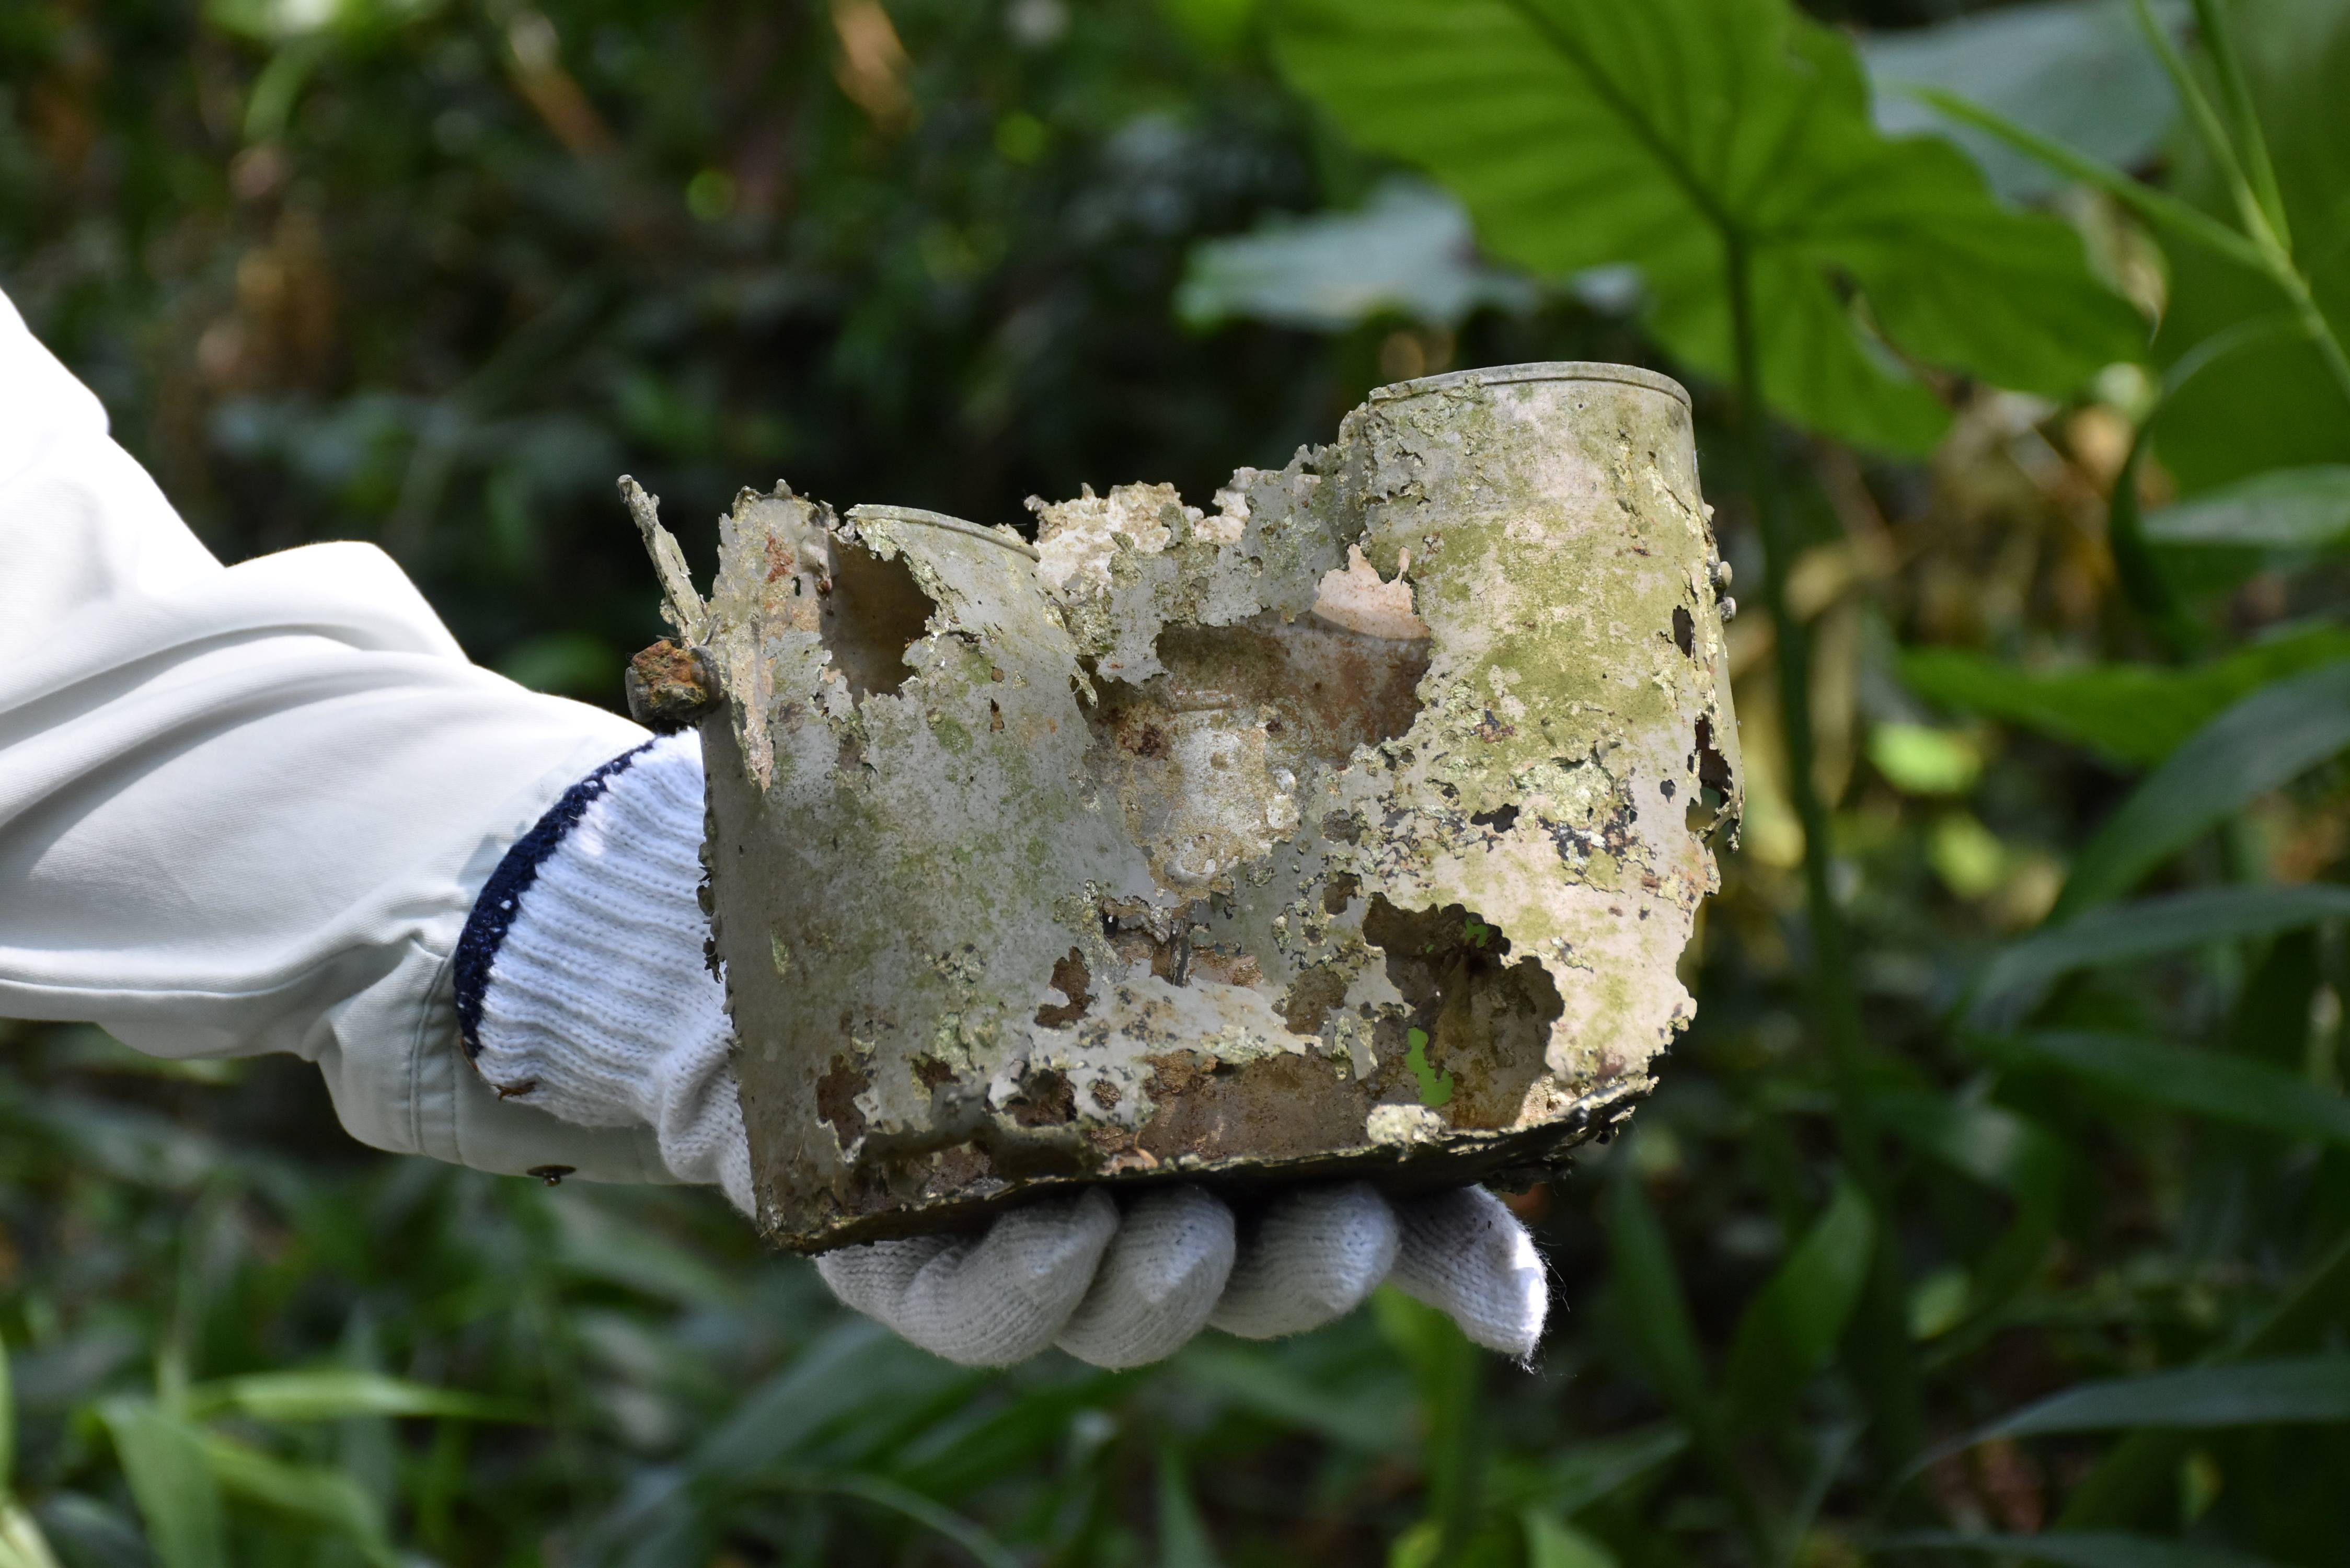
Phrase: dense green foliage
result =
(1996, 1206)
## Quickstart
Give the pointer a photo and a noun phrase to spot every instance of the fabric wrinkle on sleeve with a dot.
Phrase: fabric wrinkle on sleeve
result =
(245, 809)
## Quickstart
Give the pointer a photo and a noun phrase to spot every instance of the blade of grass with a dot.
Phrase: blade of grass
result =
(2133, 1473)
(326, 1500)
(1183, 1540)
(2251, 142)
(1446, 1368)
(329, 1394)
(2207, 123)
(1657, 1315)
(2077, 1548)
(2262, 742)
(2158, 208)
(2201, 1083)
(984, 1547)
(163, 1460)
(2144, 929)
(2313, 1390)
(1790, 1329)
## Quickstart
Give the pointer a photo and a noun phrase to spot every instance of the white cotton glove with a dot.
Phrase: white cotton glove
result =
(583, 989)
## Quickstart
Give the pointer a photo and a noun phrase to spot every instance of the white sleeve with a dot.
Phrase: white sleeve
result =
(247, 808)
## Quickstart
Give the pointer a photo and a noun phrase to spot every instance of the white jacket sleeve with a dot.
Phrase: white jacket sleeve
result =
(247, 808)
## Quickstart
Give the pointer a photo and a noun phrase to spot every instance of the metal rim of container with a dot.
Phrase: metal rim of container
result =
(1541, 370)
(916, 516)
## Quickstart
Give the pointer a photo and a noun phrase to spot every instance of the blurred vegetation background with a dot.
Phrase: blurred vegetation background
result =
(1997, 1205)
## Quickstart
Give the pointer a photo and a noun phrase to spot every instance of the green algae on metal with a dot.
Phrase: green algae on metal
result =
(1351, 825)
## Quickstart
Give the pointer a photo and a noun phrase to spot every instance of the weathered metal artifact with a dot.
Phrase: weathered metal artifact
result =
(1355, 826)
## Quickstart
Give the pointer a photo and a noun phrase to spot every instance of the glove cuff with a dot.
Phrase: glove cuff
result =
(582, 981)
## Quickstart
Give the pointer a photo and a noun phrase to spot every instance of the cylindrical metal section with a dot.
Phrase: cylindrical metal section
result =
(1352, 828)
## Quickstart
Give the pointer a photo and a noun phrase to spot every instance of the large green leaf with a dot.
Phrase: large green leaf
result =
(1791, 1329)
(2080, 1548)
(2077, 70)
(2267, 739)
(2133, 714)
(1582, 133)
(2275, 406)
(2148, 928)
(171, 1480)
(2209, 1083)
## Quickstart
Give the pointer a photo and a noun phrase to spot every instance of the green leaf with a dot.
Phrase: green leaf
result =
(2202, 1083)
(1554, 1544)
(2277, 406)
(2288, 509)
(2078, 1549)
(1255, 1381)
(1183, 1538)
(1446, 1373)
(2265, 740)
(1989, 1143)
(1791, 1329)
(171, 1480)
(2304, 1391)
(334, 1393)
(1582, 133)
(2133, 714)
(2166, 212)
(596, 1243)
(1570, 1481)
(2149, 928)
(323, 1500)
(2077, 73)
(1408, 251)
(1654, 1308)
(7, 1420)
(883, 1493)
(22, 1544)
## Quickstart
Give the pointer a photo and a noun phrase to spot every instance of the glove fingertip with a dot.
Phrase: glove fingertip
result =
(1465, 1254)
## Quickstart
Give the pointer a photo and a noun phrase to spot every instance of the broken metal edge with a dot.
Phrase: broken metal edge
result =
(1510, 1157)
(1541, 370)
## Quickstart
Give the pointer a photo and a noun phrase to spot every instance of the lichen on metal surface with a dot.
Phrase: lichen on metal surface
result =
(1353, 823)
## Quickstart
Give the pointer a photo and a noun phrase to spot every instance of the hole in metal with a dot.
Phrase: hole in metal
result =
(872, 617)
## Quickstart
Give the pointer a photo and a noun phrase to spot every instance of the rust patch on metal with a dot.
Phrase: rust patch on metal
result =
(669, 687)
(1046, 1099)
(835, 1099)
(1069, 978)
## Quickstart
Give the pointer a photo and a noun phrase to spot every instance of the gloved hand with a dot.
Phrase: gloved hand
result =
(582, 988)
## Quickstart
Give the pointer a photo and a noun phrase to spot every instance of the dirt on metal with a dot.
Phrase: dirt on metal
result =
(1352, 825)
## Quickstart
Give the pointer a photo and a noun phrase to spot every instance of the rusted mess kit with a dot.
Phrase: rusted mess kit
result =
(1353, 827)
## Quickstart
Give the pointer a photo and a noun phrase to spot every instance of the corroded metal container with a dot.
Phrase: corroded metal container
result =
(1353, 826)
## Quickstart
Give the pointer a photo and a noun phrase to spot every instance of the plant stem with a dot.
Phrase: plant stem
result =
(1880, 1329)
